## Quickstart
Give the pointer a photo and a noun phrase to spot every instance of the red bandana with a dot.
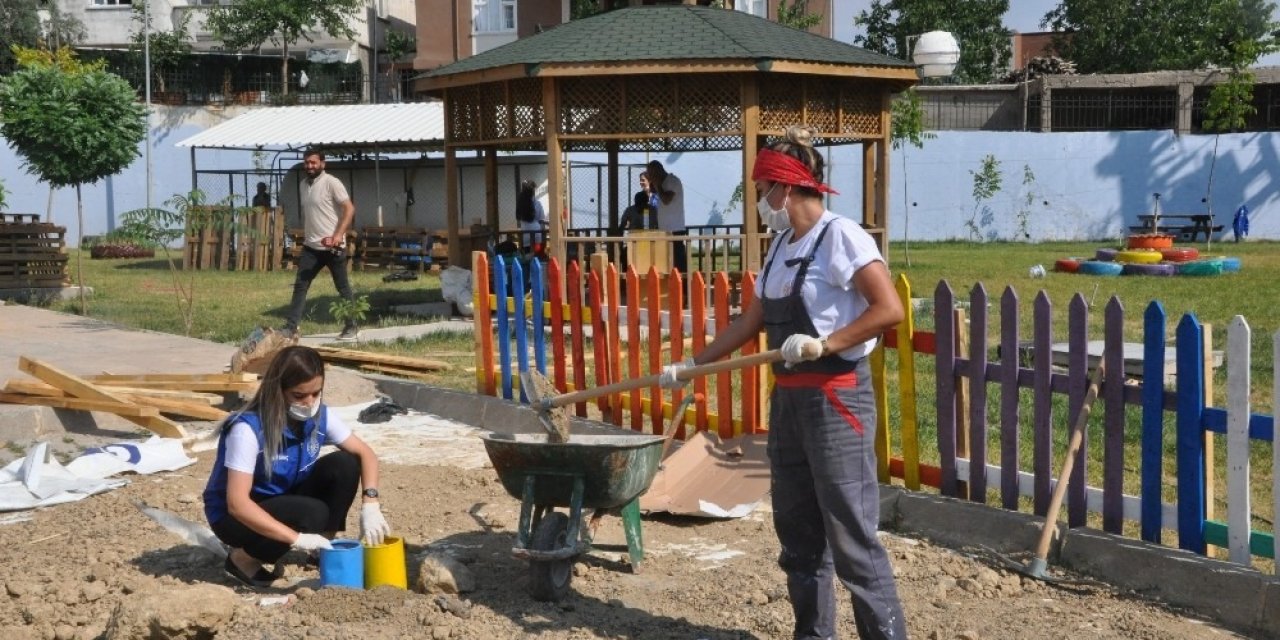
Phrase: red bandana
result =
(775, 166)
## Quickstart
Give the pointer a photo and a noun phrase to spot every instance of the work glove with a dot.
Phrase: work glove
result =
(800, 347)
(311, 542)
(373, 526)
(668, 379)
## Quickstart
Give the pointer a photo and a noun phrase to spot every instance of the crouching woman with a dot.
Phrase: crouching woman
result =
(270, 489)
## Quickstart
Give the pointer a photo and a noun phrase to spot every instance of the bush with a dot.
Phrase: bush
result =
(106, 250)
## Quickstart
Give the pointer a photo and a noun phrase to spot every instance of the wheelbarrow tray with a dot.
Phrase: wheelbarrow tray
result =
(615, 468)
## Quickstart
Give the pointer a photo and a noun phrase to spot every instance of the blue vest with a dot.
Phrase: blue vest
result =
(290, 467)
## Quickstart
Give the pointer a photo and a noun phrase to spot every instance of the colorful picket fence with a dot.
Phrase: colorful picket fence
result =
(567, 309)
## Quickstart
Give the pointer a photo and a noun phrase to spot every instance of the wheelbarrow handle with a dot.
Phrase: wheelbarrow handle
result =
(688, 373)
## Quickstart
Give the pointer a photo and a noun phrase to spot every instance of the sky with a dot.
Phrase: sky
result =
(1023, 15)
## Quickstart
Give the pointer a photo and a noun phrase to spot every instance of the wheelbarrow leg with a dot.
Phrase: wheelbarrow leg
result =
(631, 527)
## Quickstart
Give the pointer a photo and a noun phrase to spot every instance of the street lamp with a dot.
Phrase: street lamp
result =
(936, 53)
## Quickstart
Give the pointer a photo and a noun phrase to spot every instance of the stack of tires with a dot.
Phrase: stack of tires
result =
(1149, 261)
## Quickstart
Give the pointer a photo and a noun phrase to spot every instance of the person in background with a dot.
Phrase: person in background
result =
(262, 198)
(823, 298)
(327, 214)
(637, 216)
(270, 489)
(669, 193)
(531, 216)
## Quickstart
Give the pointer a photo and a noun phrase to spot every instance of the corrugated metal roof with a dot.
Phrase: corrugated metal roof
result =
(408, 126)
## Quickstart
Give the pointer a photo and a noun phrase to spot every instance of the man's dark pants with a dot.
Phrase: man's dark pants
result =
(309, 265)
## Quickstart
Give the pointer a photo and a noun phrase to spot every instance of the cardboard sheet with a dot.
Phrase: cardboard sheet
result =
(711, 478)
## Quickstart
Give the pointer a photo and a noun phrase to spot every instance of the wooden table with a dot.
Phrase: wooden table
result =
(1183, 224)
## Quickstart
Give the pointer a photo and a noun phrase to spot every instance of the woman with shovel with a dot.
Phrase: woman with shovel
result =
(824, 297)
(270, 489)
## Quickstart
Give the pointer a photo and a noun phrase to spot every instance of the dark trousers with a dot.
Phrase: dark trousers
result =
(309, 265)
(679, 255)
(318, 504)
(826, 508)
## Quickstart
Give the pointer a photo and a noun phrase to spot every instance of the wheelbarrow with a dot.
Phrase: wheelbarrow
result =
(600, 472)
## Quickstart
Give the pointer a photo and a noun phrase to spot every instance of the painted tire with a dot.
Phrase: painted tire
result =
(1231, 265)
(1210, 267)
(1149, 241)
(1067, 265)
(1099, 268)
(1159, 269)
(1139, 256)
(1180, 254)
(1105, 255)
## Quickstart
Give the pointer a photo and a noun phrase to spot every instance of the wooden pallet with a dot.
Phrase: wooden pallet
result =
(32, 254)
(395, 246)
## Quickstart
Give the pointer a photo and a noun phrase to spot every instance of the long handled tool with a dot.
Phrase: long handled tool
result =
(555, 419)
(1040, 562)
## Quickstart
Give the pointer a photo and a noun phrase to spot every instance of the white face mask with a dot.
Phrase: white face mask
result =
(304, 412)
(776, 219)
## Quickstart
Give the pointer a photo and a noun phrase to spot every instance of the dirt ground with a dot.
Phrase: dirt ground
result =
(80, 570)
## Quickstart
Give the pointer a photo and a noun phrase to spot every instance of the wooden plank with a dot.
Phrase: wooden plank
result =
(963, 384)
(81, 388)
(1210, 475)
(37, 388)
(1238, 409)
(675, 338)
(338, 355)
(416, 374)
(482, 329)
(1190, 448)
(578, 348)
(178, 407)
(1042, 413)
(978, 394)
(1009, 399)
(122, 409)
(1078, 370)
(633, 344)
(520, 323)
(611, 282)
(1113, 418)
(945, 398)
(214, 386)
(724, 381)
(111, 378)
(503, 324)
(1153, 421)
(698, 331)
(907, 389)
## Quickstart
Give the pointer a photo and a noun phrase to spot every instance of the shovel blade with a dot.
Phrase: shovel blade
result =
(540, 391)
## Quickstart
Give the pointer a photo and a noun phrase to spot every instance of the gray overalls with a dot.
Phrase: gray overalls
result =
(826, 497)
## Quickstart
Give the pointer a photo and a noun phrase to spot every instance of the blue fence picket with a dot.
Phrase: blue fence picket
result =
(1009, 395)
(521, 324)
(1190, 409)
(539, 316)
(1153, 346)
(1113, 418)
(1042, 419)
(1078, 384)
(503, 320)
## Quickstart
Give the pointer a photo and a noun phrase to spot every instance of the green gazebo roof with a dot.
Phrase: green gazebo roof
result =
(669, 33)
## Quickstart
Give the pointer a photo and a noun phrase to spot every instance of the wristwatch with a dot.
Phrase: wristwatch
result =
(370, 493)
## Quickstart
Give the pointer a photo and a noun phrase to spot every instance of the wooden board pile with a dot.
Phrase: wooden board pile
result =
(403, 366)
(140, 399)
(32, 254)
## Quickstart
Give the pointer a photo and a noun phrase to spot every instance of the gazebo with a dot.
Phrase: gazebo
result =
(665, 79)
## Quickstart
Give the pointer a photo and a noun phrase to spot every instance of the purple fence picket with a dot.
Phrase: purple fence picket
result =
(1009, 394)
(1042, 447)
(978, 394)
(945, 339)
(1152, 420)
(1077, 382)
(1113, 419)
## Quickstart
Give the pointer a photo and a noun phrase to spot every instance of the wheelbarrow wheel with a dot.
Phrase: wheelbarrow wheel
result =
(549, 579)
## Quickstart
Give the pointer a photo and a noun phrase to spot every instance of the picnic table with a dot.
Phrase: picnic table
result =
(1186, 225)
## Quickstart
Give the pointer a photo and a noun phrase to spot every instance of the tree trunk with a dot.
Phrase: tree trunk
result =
(284, 69)
(84, 309)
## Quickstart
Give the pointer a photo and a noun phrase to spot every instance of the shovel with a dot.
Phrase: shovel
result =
(1040, 562)
(553, 417)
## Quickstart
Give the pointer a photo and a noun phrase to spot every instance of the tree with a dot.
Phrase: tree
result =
(1103, 36)
(19, 25)
(62, 30)
(72, 123)
(977, 24)
(907, 127)
(248, 24)
(398, 44)
(168, 48)
(797, 15)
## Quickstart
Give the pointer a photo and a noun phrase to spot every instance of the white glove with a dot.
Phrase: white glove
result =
(800, 347)
(668, 379)
(373, 526)
(311, 542)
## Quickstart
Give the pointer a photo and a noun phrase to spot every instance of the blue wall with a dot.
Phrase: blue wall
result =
(1086, 186)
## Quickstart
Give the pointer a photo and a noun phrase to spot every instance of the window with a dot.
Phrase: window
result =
(493, 15)
(110, 3)
(758, 8)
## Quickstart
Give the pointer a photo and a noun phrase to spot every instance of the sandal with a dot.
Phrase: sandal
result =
(262, 578)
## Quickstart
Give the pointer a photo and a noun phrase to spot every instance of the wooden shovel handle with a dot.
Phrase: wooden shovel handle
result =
(742, 362)
(1064, 476)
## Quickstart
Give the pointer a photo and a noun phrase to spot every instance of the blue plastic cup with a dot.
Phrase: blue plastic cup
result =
(343, 565)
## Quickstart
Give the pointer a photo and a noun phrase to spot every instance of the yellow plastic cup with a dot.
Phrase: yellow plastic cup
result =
(384, 564)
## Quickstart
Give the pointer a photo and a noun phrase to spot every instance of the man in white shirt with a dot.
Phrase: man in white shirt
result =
(670, 192)
(327, 213)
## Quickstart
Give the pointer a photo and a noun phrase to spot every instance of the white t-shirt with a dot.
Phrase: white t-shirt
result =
(671, 214)
(322, 201)
(243, 450)
(828, 291)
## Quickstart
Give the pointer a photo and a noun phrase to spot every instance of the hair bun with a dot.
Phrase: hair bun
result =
(800, 134)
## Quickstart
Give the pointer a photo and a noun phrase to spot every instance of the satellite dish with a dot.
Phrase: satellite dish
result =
(936, 53)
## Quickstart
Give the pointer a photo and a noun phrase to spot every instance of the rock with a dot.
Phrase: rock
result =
(197, 611)
(454, 605)
(188, 498)
(440, 573)
(968, 635)
(758, 598)
(987, 577)
(441, 632)
(64, 632)
(969, 584)
(93, 591)
(17, 589)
